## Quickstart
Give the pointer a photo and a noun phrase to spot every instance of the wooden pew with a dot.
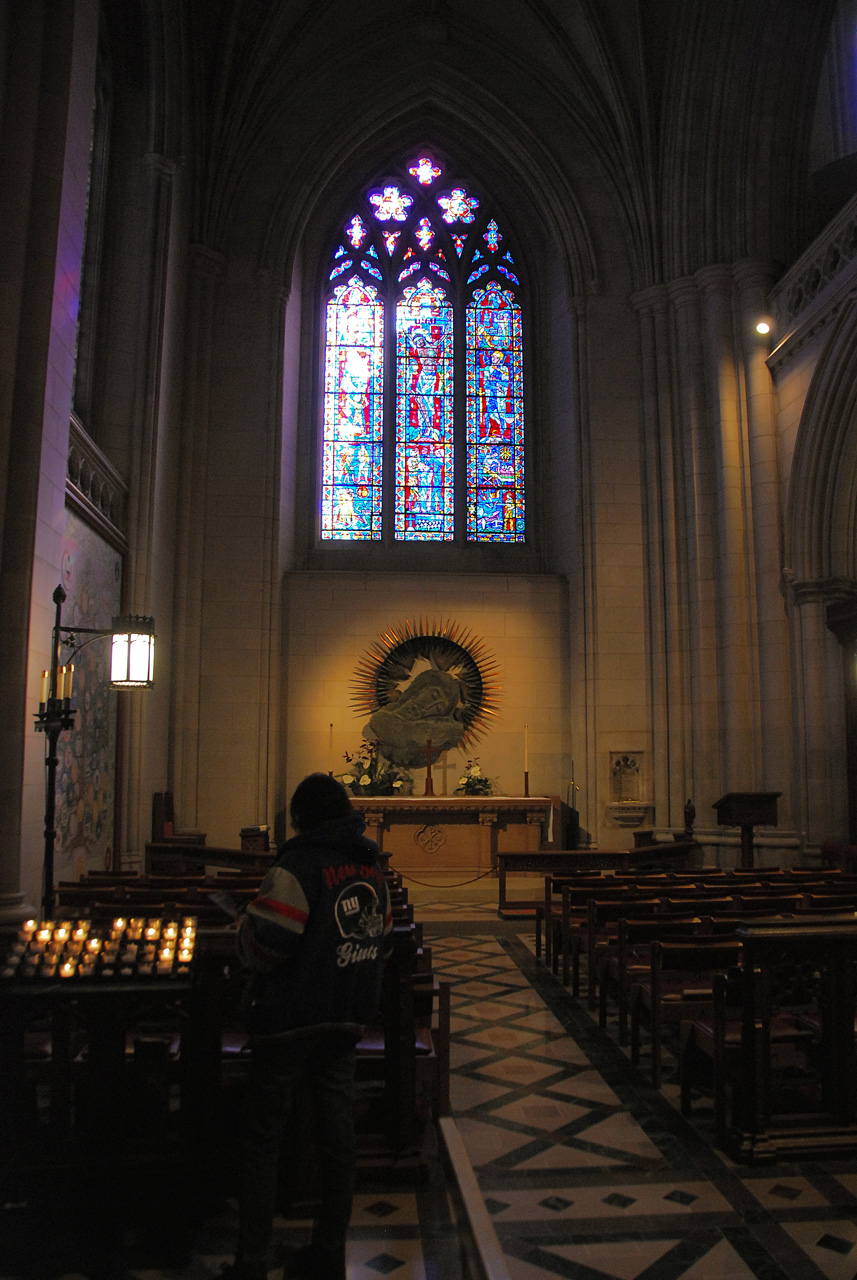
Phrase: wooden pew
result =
(569, 862)
(679, 986)
(409, 1048)
(796, 987)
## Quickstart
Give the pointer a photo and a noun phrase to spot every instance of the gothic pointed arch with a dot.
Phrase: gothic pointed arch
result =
(821, 514)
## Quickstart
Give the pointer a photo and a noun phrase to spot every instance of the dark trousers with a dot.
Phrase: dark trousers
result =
(325, 1061)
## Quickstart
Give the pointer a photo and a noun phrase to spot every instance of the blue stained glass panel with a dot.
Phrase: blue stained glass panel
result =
(510, 275)
(458, 241)
(353, 413)
(424, 502)
(372, 269)
(409, 270)
(495, 418)
(492, 236)
(480, 271)
(339, 268)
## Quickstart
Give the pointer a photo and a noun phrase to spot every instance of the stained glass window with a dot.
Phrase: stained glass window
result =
(353, 413)
(495, 418)
(424, 505)
(423, 285)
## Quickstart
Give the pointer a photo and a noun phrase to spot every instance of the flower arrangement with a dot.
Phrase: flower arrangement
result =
(370, 774)
(473, 781)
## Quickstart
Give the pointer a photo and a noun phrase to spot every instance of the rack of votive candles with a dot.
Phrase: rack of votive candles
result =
(122, 948)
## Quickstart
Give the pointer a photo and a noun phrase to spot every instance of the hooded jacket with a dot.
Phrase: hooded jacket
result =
(317, 935)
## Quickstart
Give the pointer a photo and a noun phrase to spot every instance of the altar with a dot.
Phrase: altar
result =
(444, 833)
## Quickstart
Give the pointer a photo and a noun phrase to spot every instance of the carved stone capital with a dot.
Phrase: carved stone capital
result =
(826, 591)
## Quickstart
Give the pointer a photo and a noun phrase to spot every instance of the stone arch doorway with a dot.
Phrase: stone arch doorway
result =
(821, 555)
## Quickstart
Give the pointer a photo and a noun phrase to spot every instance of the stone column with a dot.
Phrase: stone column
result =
(206, 268)
(663, 516)
(774, 675)
(735, 585)
(696, 548)
(145, 590)
(819, 728)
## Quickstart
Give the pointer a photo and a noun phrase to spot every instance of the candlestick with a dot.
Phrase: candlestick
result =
(526, 748)
(43, 689)
(429, 791)
(526, 783)
(330, 752)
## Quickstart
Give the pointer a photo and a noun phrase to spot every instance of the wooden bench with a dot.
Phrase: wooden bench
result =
(575, 861)
(796, 987)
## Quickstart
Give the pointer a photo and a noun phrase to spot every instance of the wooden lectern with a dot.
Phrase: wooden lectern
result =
(747, 809)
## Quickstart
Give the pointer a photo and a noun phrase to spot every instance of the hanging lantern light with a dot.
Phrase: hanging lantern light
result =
(132, 662)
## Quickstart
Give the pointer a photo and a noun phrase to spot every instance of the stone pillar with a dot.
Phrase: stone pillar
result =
(774, 675)
(663, 516)
(206, 267)
(696, 546)
(819, 724)
(145, 590)
(735, 585)
(842, 621)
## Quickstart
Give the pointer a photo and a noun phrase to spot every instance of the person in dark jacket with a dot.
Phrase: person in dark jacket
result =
(315, 940)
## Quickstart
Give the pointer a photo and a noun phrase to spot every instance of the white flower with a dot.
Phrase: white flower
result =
(398, 782)
(462, 780)
(365, 780)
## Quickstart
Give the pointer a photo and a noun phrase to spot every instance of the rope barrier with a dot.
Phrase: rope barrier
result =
(426, 885)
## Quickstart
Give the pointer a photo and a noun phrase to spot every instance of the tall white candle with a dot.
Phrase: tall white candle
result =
(526, 748)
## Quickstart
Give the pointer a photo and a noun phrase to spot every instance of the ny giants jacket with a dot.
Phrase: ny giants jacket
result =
(316, 937)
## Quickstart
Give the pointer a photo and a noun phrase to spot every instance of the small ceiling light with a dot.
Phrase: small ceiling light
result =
(763, 327)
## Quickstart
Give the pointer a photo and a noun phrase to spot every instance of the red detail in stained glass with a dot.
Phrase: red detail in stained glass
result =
(390, 238)
(458, 206)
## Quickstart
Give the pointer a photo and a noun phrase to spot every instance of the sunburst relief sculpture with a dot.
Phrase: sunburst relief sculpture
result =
(425, 682)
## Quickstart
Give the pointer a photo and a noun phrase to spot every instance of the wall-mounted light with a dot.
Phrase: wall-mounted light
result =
(132, 659)
(132, 666)
(763, 326)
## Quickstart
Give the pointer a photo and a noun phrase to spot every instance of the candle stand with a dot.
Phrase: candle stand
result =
(132, 667)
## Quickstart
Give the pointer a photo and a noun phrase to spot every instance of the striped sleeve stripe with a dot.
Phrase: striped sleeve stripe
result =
(284, 910)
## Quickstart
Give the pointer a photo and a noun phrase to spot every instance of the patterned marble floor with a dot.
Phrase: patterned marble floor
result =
(590, 1173)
